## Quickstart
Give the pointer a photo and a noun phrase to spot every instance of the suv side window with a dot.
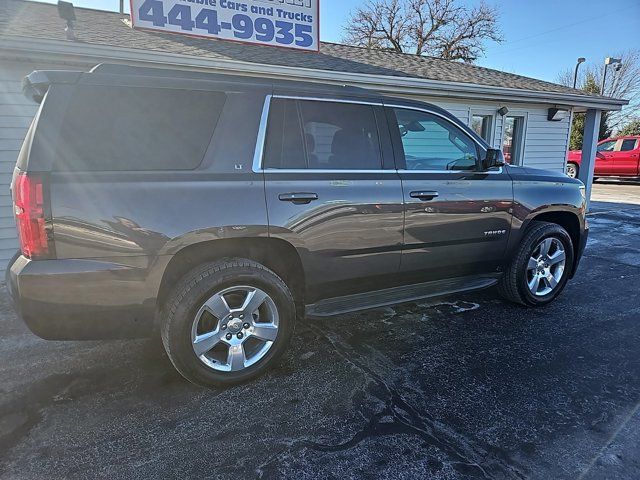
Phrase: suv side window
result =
(322, 135)
(432, 143)
(628, 144)
(136, 128)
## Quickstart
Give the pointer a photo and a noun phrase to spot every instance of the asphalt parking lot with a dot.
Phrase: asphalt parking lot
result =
(460, 387)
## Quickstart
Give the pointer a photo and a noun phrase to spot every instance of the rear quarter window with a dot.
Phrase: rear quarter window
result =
(136, 128)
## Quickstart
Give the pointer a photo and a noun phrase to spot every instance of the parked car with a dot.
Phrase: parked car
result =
(615, 157)
(218, 210)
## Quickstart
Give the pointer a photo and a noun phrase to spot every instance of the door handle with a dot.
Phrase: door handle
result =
(424, 195)
(298, 197)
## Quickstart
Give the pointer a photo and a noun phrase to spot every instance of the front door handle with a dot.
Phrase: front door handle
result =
(424, 195)
(298, 197)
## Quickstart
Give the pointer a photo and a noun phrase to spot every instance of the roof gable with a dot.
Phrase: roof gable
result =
(98, 27)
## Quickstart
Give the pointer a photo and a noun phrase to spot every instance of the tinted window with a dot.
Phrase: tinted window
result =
(321, 135)
(432, 143)
(129, 128)
(628, 144)
(284, 148)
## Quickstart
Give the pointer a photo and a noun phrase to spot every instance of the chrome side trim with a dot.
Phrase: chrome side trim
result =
(262, 134)
(321, 170)
(474, 172)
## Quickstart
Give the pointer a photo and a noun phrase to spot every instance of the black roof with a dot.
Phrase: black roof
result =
(40, 20)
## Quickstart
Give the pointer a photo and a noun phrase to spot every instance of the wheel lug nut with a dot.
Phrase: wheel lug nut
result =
(241, 316)
(240, 335)
(224, 326)
(228, 336)
(246, 325)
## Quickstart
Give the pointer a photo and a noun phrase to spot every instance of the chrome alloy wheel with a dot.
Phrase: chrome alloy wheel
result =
(545, 267)
(572, 171)
(235, 328)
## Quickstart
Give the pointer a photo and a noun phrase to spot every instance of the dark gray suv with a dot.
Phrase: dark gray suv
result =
(217, 210)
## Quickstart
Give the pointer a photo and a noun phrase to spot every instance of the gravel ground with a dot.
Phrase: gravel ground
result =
(461, 387)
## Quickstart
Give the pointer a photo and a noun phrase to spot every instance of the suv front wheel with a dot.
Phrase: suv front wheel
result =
(541, 266)
(226, 322)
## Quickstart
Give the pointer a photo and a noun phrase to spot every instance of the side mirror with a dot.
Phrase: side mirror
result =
(494, 158)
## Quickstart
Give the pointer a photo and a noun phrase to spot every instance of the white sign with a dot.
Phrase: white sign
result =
(282, 23)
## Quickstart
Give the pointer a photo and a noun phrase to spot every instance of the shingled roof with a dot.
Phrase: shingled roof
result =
(39, 20)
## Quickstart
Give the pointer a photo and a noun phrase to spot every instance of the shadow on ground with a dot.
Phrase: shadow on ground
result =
(462, 387)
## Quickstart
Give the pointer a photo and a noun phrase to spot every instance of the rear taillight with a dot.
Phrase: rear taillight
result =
(28, 202)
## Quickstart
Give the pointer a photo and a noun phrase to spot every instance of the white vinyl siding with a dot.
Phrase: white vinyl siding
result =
(546, 142)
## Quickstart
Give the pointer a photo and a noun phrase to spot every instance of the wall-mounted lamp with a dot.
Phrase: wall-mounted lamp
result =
(502, 111)
(556, 114)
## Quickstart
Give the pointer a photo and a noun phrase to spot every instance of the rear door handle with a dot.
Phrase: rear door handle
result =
(298, 197)
(424, 195)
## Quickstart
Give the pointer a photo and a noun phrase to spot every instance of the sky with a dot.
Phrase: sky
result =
(541, 37)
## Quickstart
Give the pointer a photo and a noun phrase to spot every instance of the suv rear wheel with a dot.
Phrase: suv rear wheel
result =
(572, 170)
(226, 322)
(541, 267)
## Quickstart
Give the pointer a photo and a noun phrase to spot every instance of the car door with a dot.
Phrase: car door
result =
(457, 219)
(330, 193)
(604, 158)
(625, 157)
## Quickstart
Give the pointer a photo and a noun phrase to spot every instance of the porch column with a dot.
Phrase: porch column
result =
(589, 141)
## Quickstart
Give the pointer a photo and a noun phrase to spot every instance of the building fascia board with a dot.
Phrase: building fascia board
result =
(84, 53)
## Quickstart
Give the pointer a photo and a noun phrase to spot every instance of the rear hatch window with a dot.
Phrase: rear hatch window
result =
(136, 128)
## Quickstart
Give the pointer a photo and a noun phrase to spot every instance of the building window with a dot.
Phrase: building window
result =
(512, 140)
(481, 124)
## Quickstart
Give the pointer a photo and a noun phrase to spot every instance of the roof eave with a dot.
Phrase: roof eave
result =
(52, 50)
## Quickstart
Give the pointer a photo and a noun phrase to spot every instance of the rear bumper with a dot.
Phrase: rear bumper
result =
(79, 299)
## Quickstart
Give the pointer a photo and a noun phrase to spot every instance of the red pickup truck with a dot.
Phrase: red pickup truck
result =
(616, 157)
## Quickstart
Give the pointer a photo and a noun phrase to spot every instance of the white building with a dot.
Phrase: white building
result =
(510, 111)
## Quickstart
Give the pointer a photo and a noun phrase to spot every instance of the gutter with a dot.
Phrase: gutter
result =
(86, 53)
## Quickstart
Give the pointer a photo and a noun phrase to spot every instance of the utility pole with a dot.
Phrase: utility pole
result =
(607, 61)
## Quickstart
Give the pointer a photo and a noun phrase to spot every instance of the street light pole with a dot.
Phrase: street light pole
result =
(575, 73)
(607, 61)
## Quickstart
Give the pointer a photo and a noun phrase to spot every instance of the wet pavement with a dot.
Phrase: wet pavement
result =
(462, 387)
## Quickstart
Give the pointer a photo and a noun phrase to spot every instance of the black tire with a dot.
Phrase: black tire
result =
(190, 293)
(513, 284)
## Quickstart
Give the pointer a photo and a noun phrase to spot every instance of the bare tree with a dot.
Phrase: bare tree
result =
(623, 82)
(441, 28)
